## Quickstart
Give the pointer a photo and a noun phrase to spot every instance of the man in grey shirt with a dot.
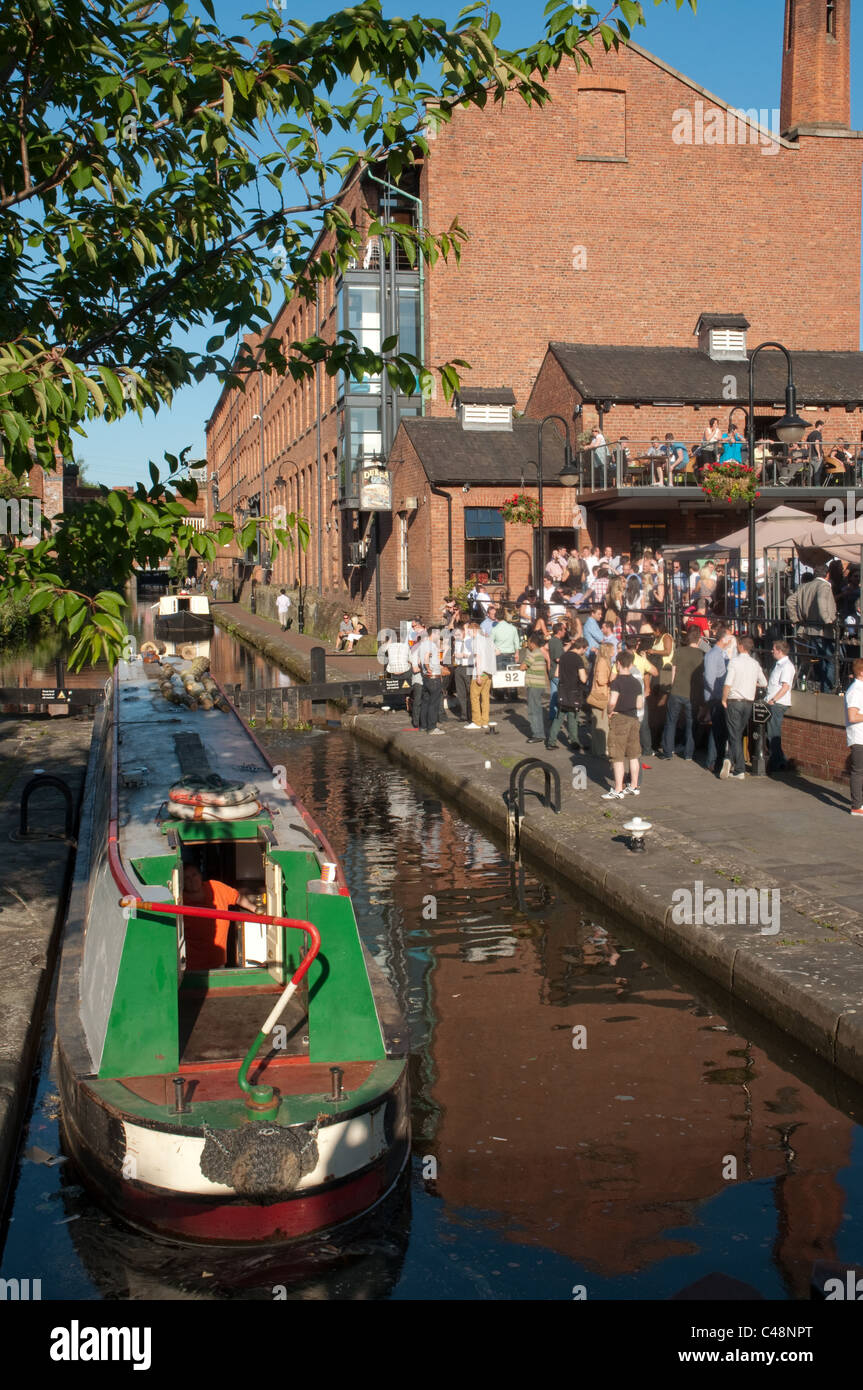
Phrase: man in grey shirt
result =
(715, 667)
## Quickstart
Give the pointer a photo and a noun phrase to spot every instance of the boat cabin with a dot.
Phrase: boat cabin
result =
(170, 604)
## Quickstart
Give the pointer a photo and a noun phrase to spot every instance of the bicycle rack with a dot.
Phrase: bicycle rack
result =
(515, 796)
(24, 832)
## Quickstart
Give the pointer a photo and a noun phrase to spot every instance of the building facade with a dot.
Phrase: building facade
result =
(618, 215)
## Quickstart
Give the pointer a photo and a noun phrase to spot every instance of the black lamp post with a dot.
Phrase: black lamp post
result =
(568, 476)
(788, 430)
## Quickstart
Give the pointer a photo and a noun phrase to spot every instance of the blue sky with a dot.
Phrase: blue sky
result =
(731, 47)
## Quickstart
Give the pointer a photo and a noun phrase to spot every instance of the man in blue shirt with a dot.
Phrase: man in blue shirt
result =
(488, 621)
(676, 457)
(715, 667)
(592, 630)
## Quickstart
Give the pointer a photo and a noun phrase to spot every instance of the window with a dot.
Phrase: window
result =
(601, 128)
(790, 38)
(362, 311)
(831, 18)
(484, 542)
(403, 579)
(644, 535)
(409, 335)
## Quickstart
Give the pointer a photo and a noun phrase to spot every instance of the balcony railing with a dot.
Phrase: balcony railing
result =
(839, 464)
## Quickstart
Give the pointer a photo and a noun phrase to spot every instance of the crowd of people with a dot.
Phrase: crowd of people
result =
(600, 666)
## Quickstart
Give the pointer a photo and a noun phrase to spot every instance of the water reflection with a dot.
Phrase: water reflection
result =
(35, 664)
(582, 1114)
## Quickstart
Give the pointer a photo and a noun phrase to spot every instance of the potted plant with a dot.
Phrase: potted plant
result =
(729, 482)
(521, 510)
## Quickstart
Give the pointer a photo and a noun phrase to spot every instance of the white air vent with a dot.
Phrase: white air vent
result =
(486, 417)
(728, 342)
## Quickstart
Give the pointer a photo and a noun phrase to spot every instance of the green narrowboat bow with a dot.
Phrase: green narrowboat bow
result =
(257, 1100)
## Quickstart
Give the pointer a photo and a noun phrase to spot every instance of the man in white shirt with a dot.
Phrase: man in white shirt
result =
(485, 664)
(742, 679)
(427, 657)
(283, 608)
(589, 560)
(778, 699)
(854, 734)
(555, 570)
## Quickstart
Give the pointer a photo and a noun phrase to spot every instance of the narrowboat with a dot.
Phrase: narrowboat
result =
(182, 617)
(233, 1073)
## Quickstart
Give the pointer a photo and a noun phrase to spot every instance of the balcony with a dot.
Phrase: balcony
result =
(795, 468)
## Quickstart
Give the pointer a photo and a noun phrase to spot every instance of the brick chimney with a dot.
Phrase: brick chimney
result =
(816, 66)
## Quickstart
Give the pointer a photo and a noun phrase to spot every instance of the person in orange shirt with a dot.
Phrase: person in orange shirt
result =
(207, 937)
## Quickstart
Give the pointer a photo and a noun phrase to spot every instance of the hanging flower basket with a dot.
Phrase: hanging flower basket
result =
(522, 510)
(729, 482)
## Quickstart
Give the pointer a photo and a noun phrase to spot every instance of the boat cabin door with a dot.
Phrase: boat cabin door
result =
(275, 935)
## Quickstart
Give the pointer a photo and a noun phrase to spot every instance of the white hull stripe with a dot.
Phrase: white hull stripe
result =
(173, 1161)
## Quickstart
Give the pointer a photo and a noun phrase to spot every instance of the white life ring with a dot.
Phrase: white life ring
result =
(247, 811)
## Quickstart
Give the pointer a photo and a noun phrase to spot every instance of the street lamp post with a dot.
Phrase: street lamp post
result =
(568, 476)
(788, 430)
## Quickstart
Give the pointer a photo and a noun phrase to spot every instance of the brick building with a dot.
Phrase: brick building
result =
(620, 214)
(638, 394)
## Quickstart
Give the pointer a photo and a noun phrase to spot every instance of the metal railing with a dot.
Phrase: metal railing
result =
(838, 463)
(822, 661)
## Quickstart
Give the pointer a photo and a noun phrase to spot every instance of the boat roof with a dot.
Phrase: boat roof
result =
(149, 765)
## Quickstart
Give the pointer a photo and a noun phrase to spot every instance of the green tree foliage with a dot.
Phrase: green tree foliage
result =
(149, 174)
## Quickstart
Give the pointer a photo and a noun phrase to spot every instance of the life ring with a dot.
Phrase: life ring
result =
(248, 811)
(232, 794)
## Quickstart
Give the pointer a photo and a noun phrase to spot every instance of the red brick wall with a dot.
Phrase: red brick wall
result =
(673, 231)
(428, 537)
(291, 448)
(816, 69)
(819, 749)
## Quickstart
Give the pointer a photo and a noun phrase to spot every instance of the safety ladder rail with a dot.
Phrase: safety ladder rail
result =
(515, 795)
(260, 1098)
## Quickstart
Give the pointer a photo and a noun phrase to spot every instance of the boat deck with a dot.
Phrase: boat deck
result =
(147, 723)
(220, 1026)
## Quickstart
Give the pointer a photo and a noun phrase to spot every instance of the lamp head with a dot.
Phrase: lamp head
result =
(790, 428)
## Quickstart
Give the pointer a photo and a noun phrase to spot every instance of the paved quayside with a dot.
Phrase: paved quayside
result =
(32, 899)
(793, 834)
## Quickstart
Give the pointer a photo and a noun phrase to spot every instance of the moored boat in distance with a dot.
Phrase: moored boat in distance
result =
(182, 617)
(232, 1062)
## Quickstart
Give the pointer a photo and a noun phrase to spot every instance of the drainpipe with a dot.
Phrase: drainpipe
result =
(412, 197)
(318, 431)
(439, 492)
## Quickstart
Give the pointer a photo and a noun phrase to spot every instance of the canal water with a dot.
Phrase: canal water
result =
(34, 665)
(587, 1120)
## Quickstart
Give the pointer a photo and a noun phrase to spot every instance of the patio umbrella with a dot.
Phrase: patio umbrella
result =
(774, 527)
(770, 529)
